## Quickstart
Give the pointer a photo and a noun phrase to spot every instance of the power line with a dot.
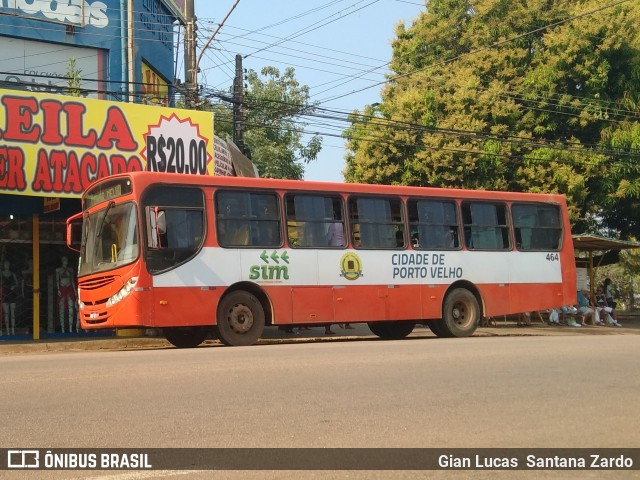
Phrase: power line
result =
(379, 123)
(315, 26)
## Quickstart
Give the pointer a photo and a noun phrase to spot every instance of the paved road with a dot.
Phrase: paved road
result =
(550, 391)
(272, 335)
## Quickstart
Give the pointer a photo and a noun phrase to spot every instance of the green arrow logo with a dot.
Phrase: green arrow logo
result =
(285, 257)
(274, 256)
(264, 256)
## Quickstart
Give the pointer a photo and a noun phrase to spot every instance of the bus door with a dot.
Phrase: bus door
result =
(178, 267)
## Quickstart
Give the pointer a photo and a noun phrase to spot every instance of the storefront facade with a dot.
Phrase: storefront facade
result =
(121, 50)
(52, 147)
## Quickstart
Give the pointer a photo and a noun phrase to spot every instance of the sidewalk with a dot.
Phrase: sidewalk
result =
(273, 335)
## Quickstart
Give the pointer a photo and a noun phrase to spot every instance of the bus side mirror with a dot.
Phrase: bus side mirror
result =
(74, 232)
(156, 226)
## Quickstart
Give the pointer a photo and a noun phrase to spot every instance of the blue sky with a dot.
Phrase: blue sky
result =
(328, 42)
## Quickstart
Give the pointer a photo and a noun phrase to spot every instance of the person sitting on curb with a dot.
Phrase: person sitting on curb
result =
(584, 307)
(524, 319)
(605, 310)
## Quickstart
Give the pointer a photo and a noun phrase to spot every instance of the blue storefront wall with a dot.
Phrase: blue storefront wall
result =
(35, 35)
(103, 27)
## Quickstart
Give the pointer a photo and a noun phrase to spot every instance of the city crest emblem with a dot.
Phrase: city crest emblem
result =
(351, 266)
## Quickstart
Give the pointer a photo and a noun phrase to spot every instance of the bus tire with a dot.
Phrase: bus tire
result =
(240, 319)
(391, 330)
(460, 314)
(434, 326)
(185, 337)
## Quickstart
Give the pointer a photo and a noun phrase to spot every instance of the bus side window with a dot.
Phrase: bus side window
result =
(485, 226)
(232, 219)
(379, 222)
(315, 221)
(536, 227)
(265, 220)
(175, 226)
(434, 224)
(248, 219)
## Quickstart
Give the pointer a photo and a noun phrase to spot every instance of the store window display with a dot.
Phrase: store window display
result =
(66, 288)
(56, 309)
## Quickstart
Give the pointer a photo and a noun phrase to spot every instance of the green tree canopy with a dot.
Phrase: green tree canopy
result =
(527, 95)
(274, 132)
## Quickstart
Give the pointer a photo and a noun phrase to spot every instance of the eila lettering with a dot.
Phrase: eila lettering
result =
(20, 114)
(68, 158)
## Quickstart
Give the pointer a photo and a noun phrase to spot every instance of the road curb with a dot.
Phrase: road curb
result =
(274, 336)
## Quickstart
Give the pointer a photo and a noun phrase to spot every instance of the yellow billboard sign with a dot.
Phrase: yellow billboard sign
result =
(154, 87)
(56, 146)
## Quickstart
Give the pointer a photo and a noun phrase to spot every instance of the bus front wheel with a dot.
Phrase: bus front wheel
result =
(460, 315)
(185, 337)
(240, 319)
(391, 330)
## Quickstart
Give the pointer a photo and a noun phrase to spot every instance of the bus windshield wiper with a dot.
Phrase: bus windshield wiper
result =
(106, 212)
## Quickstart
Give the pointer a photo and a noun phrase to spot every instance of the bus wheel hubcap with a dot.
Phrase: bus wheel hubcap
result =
(459, 314)
(241, 319)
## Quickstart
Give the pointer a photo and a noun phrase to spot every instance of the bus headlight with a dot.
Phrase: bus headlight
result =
(124, 291)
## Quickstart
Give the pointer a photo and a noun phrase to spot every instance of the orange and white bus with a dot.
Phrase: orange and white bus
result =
(196, 256)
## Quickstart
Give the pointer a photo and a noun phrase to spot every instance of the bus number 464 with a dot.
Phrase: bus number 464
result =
(552, 257)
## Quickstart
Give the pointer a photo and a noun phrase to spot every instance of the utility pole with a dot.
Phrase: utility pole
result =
(190, 65)
(238, 100)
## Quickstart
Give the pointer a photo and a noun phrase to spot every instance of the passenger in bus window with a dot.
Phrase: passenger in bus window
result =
(266, 228)
(233, 230)
(453, 238)
(335, 231)
(335, 234)
(467, 237)
(415, 240)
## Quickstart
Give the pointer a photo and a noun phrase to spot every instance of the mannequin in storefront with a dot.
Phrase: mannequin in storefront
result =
(66, 294)
(10, 294)
(26, 281)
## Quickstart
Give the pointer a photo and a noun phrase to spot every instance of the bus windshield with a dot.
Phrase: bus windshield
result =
(110, 239)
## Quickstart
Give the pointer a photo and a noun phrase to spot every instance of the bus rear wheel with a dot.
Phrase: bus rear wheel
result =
(391, 330)
(240, 319)
(186, 337)
(460, 315)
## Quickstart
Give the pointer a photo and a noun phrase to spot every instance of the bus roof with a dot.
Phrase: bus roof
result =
(148, 178)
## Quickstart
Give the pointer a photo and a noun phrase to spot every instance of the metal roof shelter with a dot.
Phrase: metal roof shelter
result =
(591, 243)
(595, 243)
